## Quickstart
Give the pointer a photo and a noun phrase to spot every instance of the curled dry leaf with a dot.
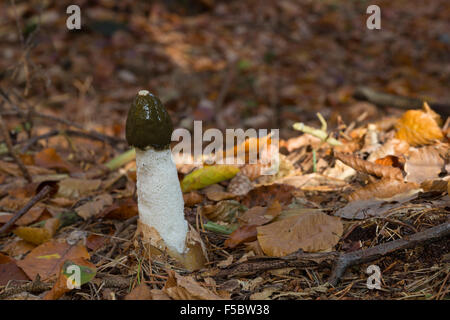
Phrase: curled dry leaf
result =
(393, 147)
(121, 210)
(50, 159)
(261, 215)
(311, 232)
(186, 288)
(378, 198)
(364, 166)
(37, 235)
(227, 211)
(94, 207)
(419, 127)
(141, 292)
(192, 198)
(385, 189)
(240, 185)
(391, 161)
(423, 164)
(76, 188)
(437, 185)
(216, 192)
(246, 233)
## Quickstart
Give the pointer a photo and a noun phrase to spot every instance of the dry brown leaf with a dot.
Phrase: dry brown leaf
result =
(76, 188)
(121, 210)
(50, 159)
(94, 207)
(437, 185)
(226, 211)
(186, 288)
(246, 233)
(394, 147)
(240, 185)
(47, 259)
(311, 232)
(261, 215)
(141, 292)
(216, 192)
(390, 161)
(31, 216)
(10, 271)
(385, 189)
(419, 127)
(14, 170)
(423, 164)
(192, 198)
(369, 167)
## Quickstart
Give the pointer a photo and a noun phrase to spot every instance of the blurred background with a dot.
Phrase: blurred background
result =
(232, 64)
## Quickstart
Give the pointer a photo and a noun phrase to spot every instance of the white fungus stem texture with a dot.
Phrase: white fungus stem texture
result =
(160, 200)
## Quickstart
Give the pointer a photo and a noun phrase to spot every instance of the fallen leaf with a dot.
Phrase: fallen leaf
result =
(95, 206)
(246, 233)
(419, 127)
(186, 288)
(216, 192)
(208, 175)
(10, 271)
(369, 167)
(385, 189)
(38, 235)
(74, 274)
(311, 232)
(76, 188)
(141, 292)
(123, 209)
(261, 215)
(47, 259)
(226, 211)
(31, 216)
(192, 198)
(423, 164)
(240, 185)
(50, 159)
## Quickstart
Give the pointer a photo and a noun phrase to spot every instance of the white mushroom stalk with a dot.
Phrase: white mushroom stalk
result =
(160, 200)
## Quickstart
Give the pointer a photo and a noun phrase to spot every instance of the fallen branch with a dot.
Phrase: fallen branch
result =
(12, 152)
(405, 103)
(45, 191)
(361, 256)
(257, 264)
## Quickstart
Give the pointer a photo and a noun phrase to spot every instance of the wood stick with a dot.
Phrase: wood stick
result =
(38, 197)
(12, 152)
(361, 256)
(400, 102)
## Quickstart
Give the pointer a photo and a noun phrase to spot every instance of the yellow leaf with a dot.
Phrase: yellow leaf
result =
(206, 176)
(419, 127)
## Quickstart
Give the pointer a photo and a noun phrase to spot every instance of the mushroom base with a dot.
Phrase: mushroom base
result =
(193, 258)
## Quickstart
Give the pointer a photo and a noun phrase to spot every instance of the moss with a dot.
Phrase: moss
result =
(148, 123)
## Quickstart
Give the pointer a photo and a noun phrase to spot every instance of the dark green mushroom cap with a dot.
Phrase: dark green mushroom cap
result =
(148, 123)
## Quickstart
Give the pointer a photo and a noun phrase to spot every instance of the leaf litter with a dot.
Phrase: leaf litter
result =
(360, 179)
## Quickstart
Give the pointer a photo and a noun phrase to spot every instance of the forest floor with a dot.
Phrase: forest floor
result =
(368, 189)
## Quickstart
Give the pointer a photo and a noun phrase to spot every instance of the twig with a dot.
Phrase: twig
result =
(361, 256)
(12, 152)
(390, 100)
(45, 191)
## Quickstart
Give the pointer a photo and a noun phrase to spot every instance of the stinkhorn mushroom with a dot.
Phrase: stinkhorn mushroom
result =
(160, 200)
